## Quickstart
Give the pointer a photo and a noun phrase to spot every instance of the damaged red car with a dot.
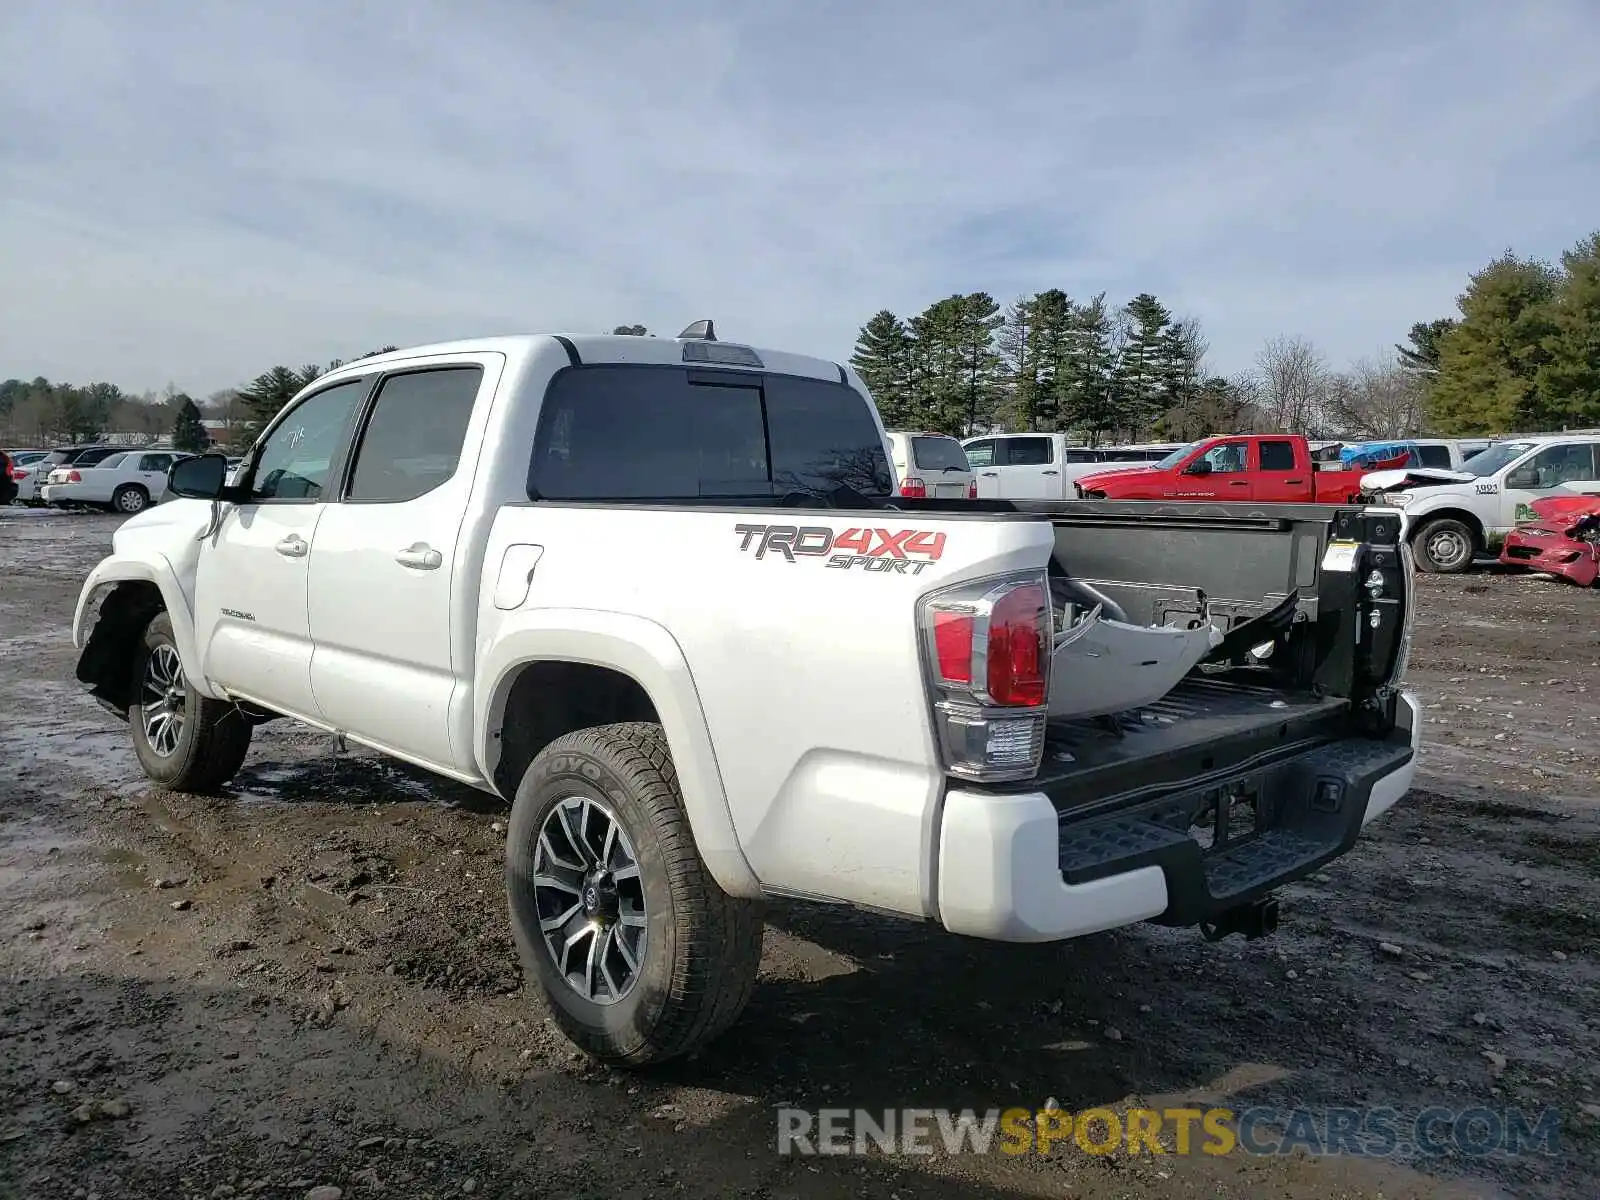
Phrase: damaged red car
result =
(1563, 539)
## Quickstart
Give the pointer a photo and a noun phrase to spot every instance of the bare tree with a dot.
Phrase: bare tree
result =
(1292, 377)
(1378, 400)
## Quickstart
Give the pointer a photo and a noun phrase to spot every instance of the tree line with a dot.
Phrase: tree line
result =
(39, 412)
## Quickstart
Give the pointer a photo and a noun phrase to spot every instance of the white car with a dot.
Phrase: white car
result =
(1450, 517)
(662, 596)
(127, 482)
(931, 465)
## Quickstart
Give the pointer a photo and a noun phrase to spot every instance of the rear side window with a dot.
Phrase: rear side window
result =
(1434, 456)
(1027, 451)
(938, 454)
(665, 433)
(1082, 456)
(1277, 456)
(413, 439)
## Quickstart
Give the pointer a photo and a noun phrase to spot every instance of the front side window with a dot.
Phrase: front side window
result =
(1228, 458)
(1557, 465)
(980, 454)
(296, 459)
(413, 439)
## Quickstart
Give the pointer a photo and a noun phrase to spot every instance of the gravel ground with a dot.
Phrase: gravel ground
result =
(309, 983)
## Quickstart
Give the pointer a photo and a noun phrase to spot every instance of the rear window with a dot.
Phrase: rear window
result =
(657, 433)
(1434, 456)
(1028, 451)
(939, 454)
(1277, 456)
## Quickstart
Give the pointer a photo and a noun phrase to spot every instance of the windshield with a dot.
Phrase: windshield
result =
(1173, 459)
(939, 454)
(1487, 462)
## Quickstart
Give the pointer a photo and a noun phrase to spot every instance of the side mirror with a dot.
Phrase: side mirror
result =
(1199, 466)
(199, 478)
(1527, 477)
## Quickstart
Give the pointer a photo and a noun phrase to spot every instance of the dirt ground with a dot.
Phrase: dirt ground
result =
(310, 984)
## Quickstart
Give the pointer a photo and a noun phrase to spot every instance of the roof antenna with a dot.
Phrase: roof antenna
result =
(700, 330)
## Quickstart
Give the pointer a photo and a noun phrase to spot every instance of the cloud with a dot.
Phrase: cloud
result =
(194, 193)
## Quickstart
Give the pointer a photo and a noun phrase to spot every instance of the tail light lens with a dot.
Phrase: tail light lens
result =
(914, 488)
(19, 473)
(987, 645)
(972, 490)
(74, 477)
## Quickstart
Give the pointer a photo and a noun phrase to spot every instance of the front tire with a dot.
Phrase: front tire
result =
(185, 741)
(1444, 546)
(640, 955)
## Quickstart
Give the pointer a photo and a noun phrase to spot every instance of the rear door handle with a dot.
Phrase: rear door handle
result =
(1049, 472)
(293, 546)
(1238, 483)
(990, 474)
(420, 557)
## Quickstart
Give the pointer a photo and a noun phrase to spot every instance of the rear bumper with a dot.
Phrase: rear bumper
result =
(1011, 868)
(1576, 561)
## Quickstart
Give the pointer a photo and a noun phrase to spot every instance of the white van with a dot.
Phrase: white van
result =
(931, 465)
(1042, 466)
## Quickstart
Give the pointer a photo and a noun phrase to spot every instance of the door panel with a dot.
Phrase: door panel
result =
(251, 613)
(250, 605)
(384, 576)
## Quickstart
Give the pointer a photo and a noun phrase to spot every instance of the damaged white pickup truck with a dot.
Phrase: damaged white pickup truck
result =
(659, 595)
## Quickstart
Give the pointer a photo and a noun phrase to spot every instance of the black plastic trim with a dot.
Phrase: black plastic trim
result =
(572, 351)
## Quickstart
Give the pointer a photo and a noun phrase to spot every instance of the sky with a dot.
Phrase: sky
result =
(191, 193)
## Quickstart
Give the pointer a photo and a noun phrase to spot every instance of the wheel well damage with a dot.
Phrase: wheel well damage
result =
(106, 664)
(549, 699)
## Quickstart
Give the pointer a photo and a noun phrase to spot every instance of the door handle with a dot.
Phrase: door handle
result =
(1049, 472)
(420, 556)
(1294, 480)
(1238, 483)
(990, 474)
(293, 546)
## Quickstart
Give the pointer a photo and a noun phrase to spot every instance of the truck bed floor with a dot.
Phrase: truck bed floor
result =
(1201, 726)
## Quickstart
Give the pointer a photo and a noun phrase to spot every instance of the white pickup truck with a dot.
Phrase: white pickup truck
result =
(1453, 516)
(660, 596)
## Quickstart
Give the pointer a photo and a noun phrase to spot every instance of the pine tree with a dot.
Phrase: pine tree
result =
(937, 366)
(1053, 317)
(1019, 365)
(188, 432)
(1423, 353)
(1141, 386)
(266, 394)
(882, 358)
(1569, 382)
(1089, 390)
(979, 318)
(1490, 362)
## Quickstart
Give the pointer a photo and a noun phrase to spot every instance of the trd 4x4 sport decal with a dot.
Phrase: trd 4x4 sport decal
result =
(899, 551)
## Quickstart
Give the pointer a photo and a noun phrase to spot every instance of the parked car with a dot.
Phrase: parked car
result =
(1260, 468)
(1039, 466)
(1562, 539)
(931, 464)
(1451, 517)
(127, 482)
(662, 596)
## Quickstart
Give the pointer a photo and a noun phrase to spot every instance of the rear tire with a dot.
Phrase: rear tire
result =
(130, 498)
(1444, 546)
(659, 960)
(185, 741)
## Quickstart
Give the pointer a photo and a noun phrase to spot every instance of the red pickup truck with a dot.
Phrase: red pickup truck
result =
(1268, 468)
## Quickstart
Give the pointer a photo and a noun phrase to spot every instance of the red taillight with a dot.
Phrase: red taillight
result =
(19, 473)
(1018, 626)
(914, 488)
(972, 490)
(74, 477)
(952, 645)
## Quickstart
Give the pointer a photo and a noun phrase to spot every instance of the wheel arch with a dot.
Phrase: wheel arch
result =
(561, 670)
(1466, 516)
(139, 588)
